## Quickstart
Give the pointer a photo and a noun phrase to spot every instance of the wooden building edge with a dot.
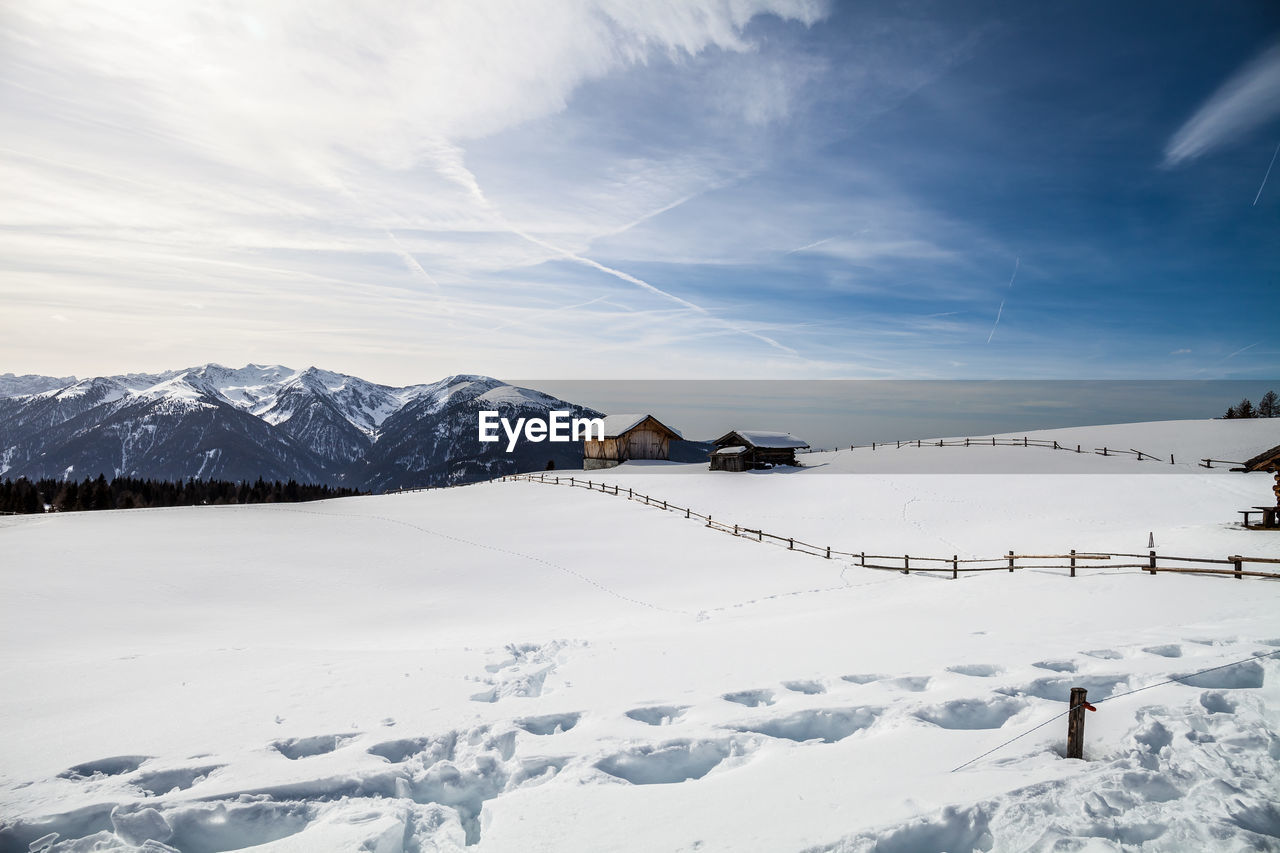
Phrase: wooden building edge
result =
(746, 450)
(627, 437)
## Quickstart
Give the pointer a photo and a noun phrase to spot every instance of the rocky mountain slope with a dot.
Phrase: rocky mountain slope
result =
(268, 421)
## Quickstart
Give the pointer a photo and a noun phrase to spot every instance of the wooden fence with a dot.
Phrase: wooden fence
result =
(1142, 455)
(954, 565)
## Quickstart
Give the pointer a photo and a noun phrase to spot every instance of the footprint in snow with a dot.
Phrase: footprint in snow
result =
(658, 715)
(910, 683)
(549, 724)
(810, 688)
(179, 778)
(825, 724)
(863, 678)
(750, 698)
(1059, 689)
(977, 670)
(972, 713)
(668, 763)
(115, 766)
(307, 747)
(1056, 665)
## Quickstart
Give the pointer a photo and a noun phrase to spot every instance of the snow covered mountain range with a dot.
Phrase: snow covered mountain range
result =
(271, 421)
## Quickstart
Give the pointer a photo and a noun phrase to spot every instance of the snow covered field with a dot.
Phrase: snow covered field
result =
(520, 667)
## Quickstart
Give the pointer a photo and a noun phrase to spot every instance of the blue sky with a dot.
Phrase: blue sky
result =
(769, 189)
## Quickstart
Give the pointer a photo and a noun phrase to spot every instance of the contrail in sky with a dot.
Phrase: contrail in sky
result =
(1000, 312)
(410, 261)
(1267, 175)
(1243, 349)
(657, 291)
(449, 163)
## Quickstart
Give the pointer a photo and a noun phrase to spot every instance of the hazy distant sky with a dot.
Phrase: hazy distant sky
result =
(619, 188)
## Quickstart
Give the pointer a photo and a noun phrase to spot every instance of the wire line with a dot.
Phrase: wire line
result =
(1177, 680)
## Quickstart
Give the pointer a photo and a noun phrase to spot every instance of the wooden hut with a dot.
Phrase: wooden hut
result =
(629, 437)
(1267, 460)
(742, 450)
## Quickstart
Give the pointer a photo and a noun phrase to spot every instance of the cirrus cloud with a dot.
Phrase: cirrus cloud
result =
(1250, 98)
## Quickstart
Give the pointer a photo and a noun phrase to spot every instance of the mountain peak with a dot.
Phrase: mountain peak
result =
(313, 425)
(12, 385)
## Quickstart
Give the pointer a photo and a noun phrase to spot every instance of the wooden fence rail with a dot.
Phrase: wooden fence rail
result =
(906, 563)
(1142, 455)
(1208, 463)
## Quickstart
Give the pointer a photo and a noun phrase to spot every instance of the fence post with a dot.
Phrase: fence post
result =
(1171, 459)
(791, 544)
(1151, 557)
(735, 530)
(1077, 448)
(629, 494)
(664, 504)
(1073, 562)
(1075, 722)
(828, 552)
(1236, 560)
(955, 567)
(1010, 561)
(571, 482)
(917, 442)
(864, 558)
(708, 520)
(1024, 441)
(906, 564)
(686, 513)
(966, 442)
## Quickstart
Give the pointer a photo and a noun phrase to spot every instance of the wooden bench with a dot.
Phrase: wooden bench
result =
(1269, 515)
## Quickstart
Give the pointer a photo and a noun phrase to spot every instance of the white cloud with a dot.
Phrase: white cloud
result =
(1249, 98)
(308, 161)
(359, 190)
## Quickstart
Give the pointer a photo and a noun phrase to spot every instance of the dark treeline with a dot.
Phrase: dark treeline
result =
(24, 496)
(1268, 407)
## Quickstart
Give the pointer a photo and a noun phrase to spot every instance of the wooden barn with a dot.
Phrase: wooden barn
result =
(742, 450)
(629, 437)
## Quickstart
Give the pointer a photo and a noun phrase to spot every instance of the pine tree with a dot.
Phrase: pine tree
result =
(1267, 406)
(1244, 409)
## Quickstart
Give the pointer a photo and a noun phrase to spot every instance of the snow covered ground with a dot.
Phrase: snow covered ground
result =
(521, 667)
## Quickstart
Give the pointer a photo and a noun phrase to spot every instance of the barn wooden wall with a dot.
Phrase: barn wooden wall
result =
(644, 443)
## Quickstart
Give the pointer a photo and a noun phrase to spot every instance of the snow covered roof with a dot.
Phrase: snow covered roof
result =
(1264, 460)
(729, 451)
(763, 438)
(616, 425)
